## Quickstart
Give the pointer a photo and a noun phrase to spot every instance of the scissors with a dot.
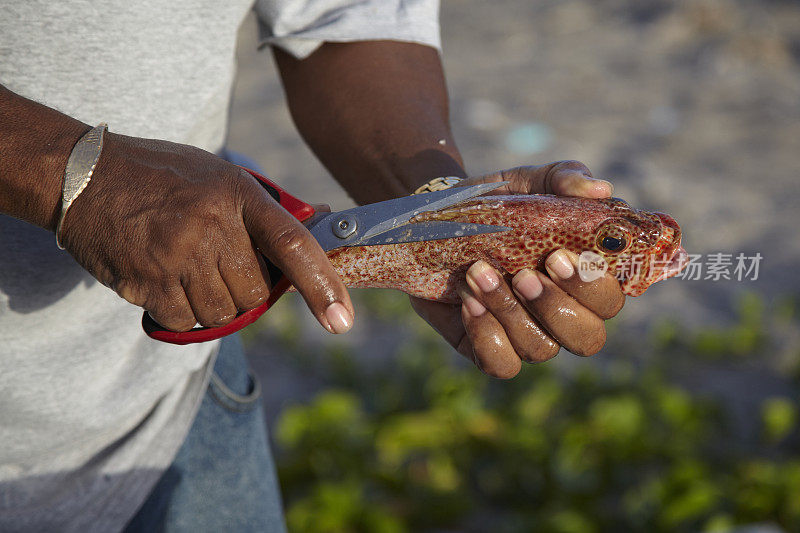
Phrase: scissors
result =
(387, 222)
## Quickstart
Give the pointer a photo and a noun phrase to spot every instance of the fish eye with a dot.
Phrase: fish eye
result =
(612, 244)
(613, 238)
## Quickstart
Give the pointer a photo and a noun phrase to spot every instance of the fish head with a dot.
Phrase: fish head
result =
(639, 247)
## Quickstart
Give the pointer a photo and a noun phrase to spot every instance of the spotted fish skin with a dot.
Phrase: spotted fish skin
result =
(540, 224)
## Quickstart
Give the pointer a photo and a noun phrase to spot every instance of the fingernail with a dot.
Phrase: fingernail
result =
(559, 264)
(527, 284)
(339, 318)
(602, 186)
(474, 307)
(484, 276)
(608, 185)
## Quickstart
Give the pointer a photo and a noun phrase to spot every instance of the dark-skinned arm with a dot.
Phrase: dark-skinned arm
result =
(35, 142)
(169, 227)
(376, 114)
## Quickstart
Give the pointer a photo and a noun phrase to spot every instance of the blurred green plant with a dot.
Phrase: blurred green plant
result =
(423, 444)
(747, 335)
(779, 417)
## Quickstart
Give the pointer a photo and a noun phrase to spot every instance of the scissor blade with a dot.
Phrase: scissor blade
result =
(430, 231)
(383, 216)
(370, 220)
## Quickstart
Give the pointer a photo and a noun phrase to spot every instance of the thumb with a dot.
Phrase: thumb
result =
(563, 178)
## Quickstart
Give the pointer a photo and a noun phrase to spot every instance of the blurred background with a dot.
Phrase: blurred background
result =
(687, 420)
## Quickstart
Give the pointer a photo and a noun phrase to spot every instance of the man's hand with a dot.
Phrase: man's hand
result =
(376, 114)
(174, 229)
(169, 227)
(499, 325)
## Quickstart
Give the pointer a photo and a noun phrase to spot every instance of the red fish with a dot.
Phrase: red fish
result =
(640, 248)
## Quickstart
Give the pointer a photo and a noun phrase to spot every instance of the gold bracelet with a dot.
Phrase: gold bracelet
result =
(80, 166)
(438, 184)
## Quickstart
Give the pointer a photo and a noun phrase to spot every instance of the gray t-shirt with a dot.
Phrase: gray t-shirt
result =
(91, 410)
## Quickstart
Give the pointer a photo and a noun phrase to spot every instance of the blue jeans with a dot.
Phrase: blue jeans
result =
(223, 478)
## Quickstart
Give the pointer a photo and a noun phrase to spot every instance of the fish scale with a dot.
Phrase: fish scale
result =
(539, 225)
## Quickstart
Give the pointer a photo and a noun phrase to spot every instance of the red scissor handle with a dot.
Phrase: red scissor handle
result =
(301, 211)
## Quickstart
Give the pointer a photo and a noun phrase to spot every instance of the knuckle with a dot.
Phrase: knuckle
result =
(185, 324)
(495, 357)
(516, 173)
(591, 343)
(551, 351)
(213, 319)
(615, 305)
(241, 177)
(553, 315)
(106, 277)
(211, 313)
(505, 305)
(169, 312)
(606, 300)
(290, 240)
(502, 369)
(129, 292)
(572, 165)
(224, 318)
(539, 352)
(254, 297)
(174, 322)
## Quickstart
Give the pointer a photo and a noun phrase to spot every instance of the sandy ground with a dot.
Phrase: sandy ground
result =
(691, 108)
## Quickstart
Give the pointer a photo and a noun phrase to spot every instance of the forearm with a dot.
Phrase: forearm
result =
(375, 113)
(35, 142)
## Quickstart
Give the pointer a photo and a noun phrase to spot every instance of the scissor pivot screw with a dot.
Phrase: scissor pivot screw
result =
(345, 227)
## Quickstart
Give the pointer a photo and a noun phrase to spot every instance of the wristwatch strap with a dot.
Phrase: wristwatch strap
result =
(438, 184)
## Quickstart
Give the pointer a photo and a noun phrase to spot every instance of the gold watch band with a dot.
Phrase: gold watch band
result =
(438, 184)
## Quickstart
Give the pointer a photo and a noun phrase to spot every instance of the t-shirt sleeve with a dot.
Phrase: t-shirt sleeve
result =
(301, 26)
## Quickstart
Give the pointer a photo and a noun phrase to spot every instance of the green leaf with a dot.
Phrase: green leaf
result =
(779, 417)
(619, 418)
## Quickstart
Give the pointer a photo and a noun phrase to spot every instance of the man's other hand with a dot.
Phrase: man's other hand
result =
(181, 232)
(499, 325)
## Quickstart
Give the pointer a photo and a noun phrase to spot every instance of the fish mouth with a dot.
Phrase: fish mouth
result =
(678, 262)
(673, 257)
